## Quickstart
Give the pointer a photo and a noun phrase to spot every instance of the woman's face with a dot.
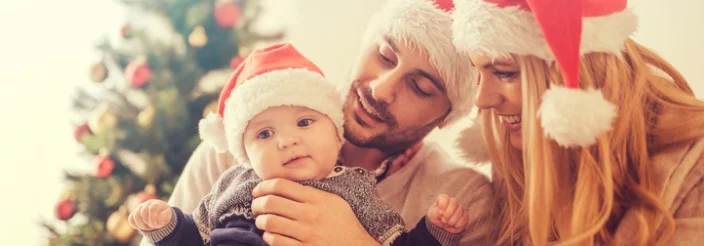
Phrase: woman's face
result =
(500, 91)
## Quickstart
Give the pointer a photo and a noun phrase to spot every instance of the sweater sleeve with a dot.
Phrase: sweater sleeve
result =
(200, 174)
(425, 233)
(689, 217)
(198, 177)
(181, 230)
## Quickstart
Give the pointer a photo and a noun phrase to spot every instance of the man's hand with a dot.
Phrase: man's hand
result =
(293, 214)
(150, 215)
(448, 214)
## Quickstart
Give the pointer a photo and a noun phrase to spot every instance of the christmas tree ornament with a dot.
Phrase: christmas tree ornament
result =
(147, 194)
(104, 166)
(138, 72)
(227, 14)
(102, 120)
(126, 31)
(81, 131)
(98, 72)
(146, 117)
(244, 51)
(212, 107)
(65, 209)
(117, 191)
(236, 61)
(118, 226)
(198, 38)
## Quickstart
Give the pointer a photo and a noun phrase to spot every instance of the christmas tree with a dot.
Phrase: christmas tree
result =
(137, 120)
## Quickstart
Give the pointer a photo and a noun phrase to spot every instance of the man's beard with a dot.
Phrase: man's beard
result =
(391, 139)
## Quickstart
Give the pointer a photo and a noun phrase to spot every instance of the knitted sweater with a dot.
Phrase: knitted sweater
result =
(410, 191)
(231, 199)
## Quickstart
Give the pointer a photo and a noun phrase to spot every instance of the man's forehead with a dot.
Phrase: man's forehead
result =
(409, 52)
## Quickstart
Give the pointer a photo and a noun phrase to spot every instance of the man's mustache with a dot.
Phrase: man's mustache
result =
(381, 108)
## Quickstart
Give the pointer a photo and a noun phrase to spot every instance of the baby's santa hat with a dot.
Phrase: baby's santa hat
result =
(426, 25)
(553, 30)
(277, 75)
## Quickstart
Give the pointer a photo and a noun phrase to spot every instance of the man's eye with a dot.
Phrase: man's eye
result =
(385, 59)
(417, 89)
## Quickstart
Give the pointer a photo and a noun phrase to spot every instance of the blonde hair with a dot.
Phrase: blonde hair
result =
(597, 184)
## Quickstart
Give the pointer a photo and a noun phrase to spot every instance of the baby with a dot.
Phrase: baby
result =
(281, 118)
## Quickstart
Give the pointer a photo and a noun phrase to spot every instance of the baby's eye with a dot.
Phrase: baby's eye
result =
(305, 122)
(265, 134)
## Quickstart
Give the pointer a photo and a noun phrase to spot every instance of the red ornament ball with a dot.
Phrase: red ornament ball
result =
(227, 14)
(81, 131)
(138, 72)
(236, 61)
(104, 166)
(126, 31)
(65, 209)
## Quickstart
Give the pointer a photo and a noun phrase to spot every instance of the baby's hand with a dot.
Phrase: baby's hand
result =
(150, 215)
(448, 214)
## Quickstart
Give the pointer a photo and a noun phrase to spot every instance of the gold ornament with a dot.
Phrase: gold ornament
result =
(244, 52)
(146, 117)
(102, 120)
(118, 226)
(197, 38)
(98, 72)
(212, 107)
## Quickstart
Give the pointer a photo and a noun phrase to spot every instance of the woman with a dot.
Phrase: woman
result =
(594, 138)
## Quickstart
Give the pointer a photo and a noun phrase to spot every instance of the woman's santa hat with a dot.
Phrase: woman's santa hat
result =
(425, 25)
(277, 75)
(554, 30)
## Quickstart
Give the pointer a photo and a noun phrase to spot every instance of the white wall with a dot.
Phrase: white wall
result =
(45, 51)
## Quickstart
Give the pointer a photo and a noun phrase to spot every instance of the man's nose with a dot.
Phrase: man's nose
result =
(384, 87)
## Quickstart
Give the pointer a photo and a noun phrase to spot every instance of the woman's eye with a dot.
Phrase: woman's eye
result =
(505, 75)
(305, 122)
(265, 134)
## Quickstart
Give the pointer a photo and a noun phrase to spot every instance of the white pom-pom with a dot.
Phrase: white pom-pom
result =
(575, 117)
(472, 145)
(212, 131)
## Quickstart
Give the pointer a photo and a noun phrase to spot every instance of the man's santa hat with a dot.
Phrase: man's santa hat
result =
(553, 30)
(425, 25)
(277, 75)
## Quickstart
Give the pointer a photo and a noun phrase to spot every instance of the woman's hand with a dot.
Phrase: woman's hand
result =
(294, 214)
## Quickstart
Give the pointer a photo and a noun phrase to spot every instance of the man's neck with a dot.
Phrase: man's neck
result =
(367, 158)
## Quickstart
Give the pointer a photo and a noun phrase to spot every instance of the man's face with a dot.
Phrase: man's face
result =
(396, 97)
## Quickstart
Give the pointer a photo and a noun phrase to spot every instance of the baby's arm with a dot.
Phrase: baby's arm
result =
(163, 225)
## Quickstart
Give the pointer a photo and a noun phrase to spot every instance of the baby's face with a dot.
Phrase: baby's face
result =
(291, 142)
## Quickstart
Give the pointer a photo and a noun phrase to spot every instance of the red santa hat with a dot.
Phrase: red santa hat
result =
(277, 75)
(425, 25)
(554, 30)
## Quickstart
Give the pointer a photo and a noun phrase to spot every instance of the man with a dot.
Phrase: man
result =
(407, 81)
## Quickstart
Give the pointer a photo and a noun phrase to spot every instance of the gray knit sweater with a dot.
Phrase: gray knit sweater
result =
(232, 196)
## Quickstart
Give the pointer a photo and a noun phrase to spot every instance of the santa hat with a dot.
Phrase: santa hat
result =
(277, 75)
(553, 30)
(425, 25)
